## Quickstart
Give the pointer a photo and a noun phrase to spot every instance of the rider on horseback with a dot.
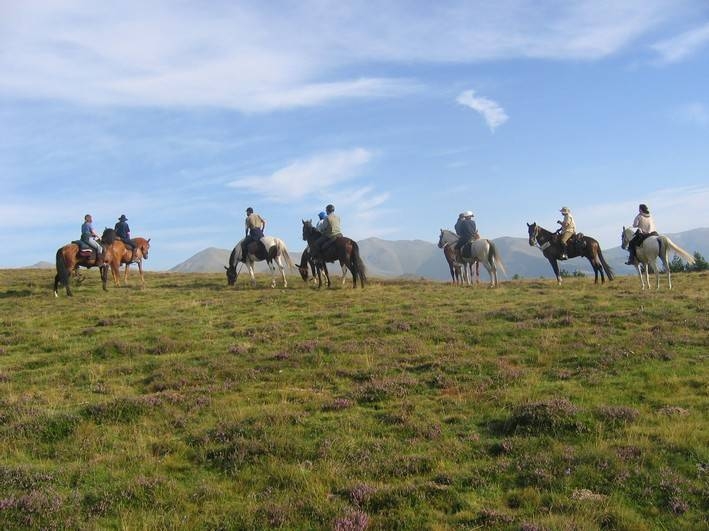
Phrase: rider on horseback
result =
(255, 225)
(89, 237)
(466, 230)
(123, 231)
(646, 228)
(330, 231)
(568, 229)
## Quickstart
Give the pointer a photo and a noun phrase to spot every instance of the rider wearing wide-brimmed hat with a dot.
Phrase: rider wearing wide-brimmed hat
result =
(568, 229)
(123, 231)
(466, 229)
(646, 227)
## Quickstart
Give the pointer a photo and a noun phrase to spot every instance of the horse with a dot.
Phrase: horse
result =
(307, 260)
(483, 251)
(268, 248)
(68, 260)
(647, 253)
(579, 245)
(341, 248)
(453, 264)
(142, 248)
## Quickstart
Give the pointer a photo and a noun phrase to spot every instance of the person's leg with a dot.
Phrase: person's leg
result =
(564, 238)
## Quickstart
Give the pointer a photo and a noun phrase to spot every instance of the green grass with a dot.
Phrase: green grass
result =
(406, 405)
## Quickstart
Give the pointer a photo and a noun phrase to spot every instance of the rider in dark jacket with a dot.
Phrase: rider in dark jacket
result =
(467, 230)
(123, 231)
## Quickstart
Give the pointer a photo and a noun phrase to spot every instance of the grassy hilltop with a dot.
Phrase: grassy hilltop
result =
(406, 405)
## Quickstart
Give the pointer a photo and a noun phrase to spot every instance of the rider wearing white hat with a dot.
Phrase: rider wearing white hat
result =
(568, 229)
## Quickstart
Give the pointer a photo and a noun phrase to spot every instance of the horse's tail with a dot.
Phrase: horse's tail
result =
(62, 275)
(677, 249)
(357, 265)
(281, 246)
(606, 267)
(494, 257)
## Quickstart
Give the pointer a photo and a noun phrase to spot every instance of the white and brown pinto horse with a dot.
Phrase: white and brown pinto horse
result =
(482, 251)
(267, 248)
(647, 253)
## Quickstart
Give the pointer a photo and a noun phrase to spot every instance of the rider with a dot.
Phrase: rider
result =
(330, 230)
(646, 227)
(123, 231)
(255, 225)
(466, 230)
(461, 218)
(568, 229)
(89, 237)
(321, 224)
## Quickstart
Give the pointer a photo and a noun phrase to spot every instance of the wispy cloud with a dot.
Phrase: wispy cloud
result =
(493, 114)
(261, 56)
(683, 46)
(694, 113)
(313, 176)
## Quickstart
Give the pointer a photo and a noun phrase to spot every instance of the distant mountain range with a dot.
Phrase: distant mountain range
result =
(421, 259)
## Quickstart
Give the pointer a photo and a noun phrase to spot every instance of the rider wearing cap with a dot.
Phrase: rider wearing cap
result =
(321, 223)
(646, 227)
(254, 226)
(330, 230)
(568, 229)
(466, 229)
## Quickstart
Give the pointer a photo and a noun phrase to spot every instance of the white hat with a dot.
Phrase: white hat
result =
(468, 214)
(564, 210)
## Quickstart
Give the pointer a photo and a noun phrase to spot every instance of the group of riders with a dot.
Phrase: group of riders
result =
(91, 238)
(465, 227)
(328, 226)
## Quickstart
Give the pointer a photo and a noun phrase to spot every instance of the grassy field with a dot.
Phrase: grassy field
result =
(406, 405)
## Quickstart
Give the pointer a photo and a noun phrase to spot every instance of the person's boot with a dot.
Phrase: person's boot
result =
(563, 256)
(631, 257)
(133, 255)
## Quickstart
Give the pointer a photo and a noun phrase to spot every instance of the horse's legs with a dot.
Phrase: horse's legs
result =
(140, 270)
(282, 267)
(555, 267)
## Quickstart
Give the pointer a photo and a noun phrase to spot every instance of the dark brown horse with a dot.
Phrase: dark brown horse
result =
(68, 260)
(307, 260)
(578, 245)
(454, 266)
(342, 248)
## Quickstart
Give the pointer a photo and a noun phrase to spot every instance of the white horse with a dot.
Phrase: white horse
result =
(275, 251)
(647, 253)
(482, 251)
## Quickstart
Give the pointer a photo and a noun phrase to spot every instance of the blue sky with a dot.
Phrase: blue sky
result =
(180, 114)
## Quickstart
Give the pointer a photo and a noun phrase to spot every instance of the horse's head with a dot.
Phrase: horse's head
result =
(441, 243)
(626, 236)
(303, 272)
(144, 247)
(231, 274)
(307, 229)
(533, 231)
(109, 236)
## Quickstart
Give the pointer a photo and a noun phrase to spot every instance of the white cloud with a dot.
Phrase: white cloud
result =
(260, 56)
(684, 45)
(314, 176)
(493, 114)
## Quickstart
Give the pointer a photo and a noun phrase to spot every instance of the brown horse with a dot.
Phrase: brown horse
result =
(342, 248)
(578, 245)
(451, 256)
(68, 260)
(142, 247)
(307, 260)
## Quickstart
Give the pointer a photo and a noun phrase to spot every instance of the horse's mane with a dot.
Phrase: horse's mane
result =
(109, 236)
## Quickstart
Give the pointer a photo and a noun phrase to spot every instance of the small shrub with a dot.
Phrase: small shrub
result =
(118, 410)
(550, 416)
(617, 415)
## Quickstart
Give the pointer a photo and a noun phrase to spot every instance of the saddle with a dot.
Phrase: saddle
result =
(85, 250)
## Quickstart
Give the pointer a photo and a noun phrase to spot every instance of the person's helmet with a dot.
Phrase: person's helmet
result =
(329, 208)
(565, 210)
(644, 209)
(468, 214)
(322, 215)
(461, 215)
(249, 210)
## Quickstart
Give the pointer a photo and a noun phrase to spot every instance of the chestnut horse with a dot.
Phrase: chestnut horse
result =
(342, 248)
(578, 245)
(68, 260)
(142, 247)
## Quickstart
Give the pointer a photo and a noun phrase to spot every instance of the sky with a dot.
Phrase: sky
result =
(181, 114)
